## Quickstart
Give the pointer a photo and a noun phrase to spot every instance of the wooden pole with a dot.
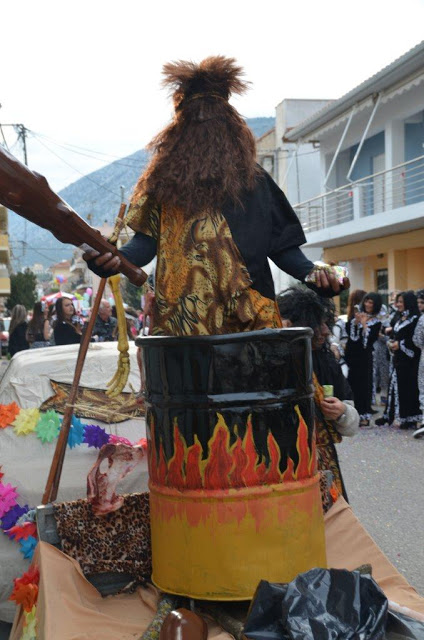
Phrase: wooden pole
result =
(53, 480)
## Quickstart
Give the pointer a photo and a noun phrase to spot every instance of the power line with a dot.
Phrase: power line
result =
(60, 248)
(87, 155)
(70, 147)
(77, 171)
(28, 247)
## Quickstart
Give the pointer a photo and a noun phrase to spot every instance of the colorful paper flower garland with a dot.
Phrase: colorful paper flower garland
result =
(46, 427)
(18, 522)
(25, 594)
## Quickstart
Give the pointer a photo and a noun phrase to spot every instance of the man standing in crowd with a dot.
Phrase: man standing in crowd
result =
(106, 325)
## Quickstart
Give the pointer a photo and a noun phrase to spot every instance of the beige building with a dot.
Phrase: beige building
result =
(61, 269)
(4, 254)
(266, 151)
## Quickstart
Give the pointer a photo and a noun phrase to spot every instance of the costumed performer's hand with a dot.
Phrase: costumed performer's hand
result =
(104, 265)
(332, 408)
(328, 281)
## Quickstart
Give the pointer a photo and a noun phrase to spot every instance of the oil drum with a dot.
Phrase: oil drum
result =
(234, 489)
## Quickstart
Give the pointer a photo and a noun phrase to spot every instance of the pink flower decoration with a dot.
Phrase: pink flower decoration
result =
(8, 495)
(22, 531)
(142, 443)
(119, 440)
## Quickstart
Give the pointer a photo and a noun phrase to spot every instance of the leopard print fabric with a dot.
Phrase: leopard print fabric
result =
(117, 542)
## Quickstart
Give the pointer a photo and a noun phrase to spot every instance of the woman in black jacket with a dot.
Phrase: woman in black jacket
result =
(362, 332)
(403, 398)
(17, 330)
(65, 332)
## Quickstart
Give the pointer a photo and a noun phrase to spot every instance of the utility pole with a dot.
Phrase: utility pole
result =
(22, 135)
(22, 132)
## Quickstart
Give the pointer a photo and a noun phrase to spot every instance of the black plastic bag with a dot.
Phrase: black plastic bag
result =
(404, 626)
(329, 604)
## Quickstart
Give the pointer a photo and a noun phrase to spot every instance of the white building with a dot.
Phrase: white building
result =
(294, 166)
(371, 211)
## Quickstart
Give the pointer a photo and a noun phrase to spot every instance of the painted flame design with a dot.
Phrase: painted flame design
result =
(228, 466)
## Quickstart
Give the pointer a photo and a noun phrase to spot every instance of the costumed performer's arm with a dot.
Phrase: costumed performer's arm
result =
(140, 250)
(287, 237)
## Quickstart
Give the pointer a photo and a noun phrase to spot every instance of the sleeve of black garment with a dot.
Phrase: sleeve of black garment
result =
(287, 234)
(140, 250)
(373, 335)
(342, 389)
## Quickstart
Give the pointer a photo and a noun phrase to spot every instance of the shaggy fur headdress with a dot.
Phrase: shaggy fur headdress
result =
(217, 76)
(206, 155)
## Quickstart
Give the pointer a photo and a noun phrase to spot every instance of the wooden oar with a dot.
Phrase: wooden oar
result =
(52, 486)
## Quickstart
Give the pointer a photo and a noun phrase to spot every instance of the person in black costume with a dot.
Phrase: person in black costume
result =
(212, 215)
(64, 331)
(362, 332)
(18, 329)
(403, 399)
(335, 416)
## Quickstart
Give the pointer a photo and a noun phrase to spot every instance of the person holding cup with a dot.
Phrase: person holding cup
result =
(335, 414)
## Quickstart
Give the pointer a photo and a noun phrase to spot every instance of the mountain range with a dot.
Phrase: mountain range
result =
(95, 197)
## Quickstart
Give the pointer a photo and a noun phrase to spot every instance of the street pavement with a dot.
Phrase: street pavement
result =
(383, 469)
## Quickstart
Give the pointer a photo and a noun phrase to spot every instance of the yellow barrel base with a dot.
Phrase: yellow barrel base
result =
(218, 544)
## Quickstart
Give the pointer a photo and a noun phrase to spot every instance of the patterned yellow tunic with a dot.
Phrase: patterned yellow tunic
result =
(202, 285)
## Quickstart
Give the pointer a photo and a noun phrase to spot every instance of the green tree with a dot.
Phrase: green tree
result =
(22, 289)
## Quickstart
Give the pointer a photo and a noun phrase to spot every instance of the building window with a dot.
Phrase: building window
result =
(383, 284)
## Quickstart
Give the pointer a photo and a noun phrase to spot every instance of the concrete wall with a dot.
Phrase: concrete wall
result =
(299, 176)
(372, 147)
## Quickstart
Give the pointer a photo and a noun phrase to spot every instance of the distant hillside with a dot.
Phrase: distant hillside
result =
(97, 195)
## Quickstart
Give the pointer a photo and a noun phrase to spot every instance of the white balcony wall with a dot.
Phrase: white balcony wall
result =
(391, 109)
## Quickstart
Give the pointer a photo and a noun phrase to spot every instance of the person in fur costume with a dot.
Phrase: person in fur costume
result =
(211, 215)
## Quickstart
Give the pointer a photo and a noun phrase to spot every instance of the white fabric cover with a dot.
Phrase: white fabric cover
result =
(27, 378)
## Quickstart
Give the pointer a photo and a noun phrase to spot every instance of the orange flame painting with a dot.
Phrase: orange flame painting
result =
(229, 466)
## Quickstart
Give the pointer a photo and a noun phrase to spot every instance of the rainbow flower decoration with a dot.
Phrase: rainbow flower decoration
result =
(76, 432)
(95, 436)
(8, 413)
(29, 631)
(28, 547)
(8, 495)
(48, 426)
(26, 421)
(9, 519)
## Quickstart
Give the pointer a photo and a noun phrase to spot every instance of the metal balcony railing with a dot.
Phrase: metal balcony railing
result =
(383, 191)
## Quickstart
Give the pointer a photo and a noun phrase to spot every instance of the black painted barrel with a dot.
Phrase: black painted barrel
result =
(233, 478)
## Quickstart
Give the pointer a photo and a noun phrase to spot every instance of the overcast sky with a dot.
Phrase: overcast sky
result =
(88, 72)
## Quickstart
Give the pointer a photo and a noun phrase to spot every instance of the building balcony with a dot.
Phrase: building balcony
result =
(383, 203)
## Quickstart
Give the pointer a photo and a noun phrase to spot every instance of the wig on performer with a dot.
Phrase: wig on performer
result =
(211, 214)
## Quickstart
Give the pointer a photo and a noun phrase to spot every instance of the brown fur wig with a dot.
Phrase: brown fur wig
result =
(207, 154)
